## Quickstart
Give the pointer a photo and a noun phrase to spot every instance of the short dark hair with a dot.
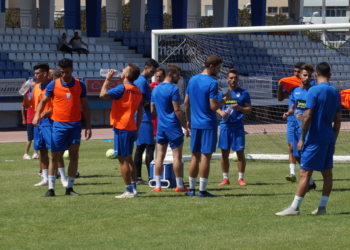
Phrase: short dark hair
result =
(172, 68)
(323, 69)
(56, 74)
(232, 71)
(161, 70)
(43, 67)
(65, 63)
(307, 67)
(298, 65)
(151, 63)
(134, 72)
(213, 59)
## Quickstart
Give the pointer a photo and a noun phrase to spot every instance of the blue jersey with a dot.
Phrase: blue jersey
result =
(239, 96)
(50, 93)
(298, 98)
(162, 96)
(324, 100)
(143, 85)
(201, 88)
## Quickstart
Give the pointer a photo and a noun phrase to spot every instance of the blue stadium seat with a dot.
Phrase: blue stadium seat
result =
(233, 51)
(237, 44)
(31, 73)
(111, 34)
(260, 60)
(2, 65)
(133, 43)
(4, 56)
(8, 74)
(245, 52)
(10, 65)
(140, 42)
(254, 60)
(18, 65)
(126, 34)
(147, 42)
(256, 68)
(25, 74)
(126, 41)
(147, 34)
(147, 51)
(2, 76)
(140, 35)
(133, 34)
(17, 74)
(119, 35)
(141, 49)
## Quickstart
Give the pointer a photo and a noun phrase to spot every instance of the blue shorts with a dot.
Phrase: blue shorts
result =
(42, 137)
(30, 131)
(62, 138)
(317, 157)
(124, 142)
(296, 138)
(232, 138)
(174, 138)
(290, 131)
(203, 140)
(145, 134)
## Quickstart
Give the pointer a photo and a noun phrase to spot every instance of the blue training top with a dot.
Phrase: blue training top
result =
(143, 85)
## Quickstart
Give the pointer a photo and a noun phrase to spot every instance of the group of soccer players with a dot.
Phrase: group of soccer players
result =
(314, 122)
(58, 103)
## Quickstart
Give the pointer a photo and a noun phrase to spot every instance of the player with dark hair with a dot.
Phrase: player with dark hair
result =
(67, 95)
(160, 75)
(43, 132)
(201, 103)
(166, 100)
(145, 140)
(317, 140)
(285, 86)
(127, 99)
(232, 128)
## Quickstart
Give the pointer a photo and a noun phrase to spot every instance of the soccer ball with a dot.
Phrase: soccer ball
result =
(234, 156)
(110, 154)
(66, 155)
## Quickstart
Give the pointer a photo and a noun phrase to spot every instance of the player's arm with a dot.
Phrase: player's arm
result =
(27, 101)
(146, 103)
(215, 104)
(180, 117)
(104, 90)
(337, 124)
(280, 94)
(187, 110)
(290, 112)
(153, 108)
(138, 120)
(247, 109)
(86, 113)
(305, 127)
(39, 109)
(23, 113)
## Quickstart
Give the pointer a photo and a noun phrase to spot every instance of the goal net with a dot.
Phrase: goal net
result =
(262, 56)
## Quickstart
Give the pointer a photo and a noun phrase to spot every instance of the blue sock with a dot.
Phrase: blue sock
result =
(128, 188)
(133, 184)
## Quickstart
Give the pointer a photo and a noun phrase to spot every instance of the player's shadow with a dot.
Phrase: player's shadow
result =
(163, 196)
(344, 213)
(221, 189)
(266, 184)
(247, 195)
(339, 180)
(96, 176)
(101, 193)
(88, 184)
(340, 189)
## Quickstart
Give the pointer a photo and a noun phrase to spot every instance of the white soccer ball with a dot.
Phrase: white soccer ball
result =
(234, 156)
(110, 154)
(66, 155)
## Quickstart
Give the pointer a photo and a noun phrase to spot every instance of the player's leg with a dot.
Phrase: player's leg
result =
(225, 145)
(138, 162)
(195, 147)
(30, 137)
(44, 166)
(62, 172)
(126, 174)
(72, 168)
(290, 133)
(149, 156)
(176, 144)
(238, 145)
(241, 164)
(161, 152)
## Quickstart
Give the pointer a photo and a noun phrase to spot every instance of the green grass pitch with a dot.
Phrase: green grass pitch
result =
(239, 218)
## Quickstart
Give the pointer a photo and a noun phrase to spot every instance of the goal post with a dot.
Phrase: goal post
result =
(262, 55)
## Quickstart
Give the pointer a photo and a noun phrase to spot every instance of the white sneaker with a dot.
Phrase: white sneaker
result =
(319, 211)
(64, 183)
(42, 183)
(26, 157)
(126, 195)
(35, 156)
(135, 192)
(288, 211)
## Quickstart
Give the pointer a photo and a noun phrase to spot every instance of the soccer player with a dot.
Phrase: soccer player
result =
(127, 99)
(317, 140)
(298, 104)
(42, 133)
(67, 95)
(232, 128)
(145, 138)
(166, 100)
(201, 103)
(283, 93)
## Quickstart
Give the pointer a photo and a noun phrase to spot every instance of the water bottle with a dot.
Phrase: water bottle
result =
(26, 86)
(299, 121)
(104, 72)
(229, 111)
